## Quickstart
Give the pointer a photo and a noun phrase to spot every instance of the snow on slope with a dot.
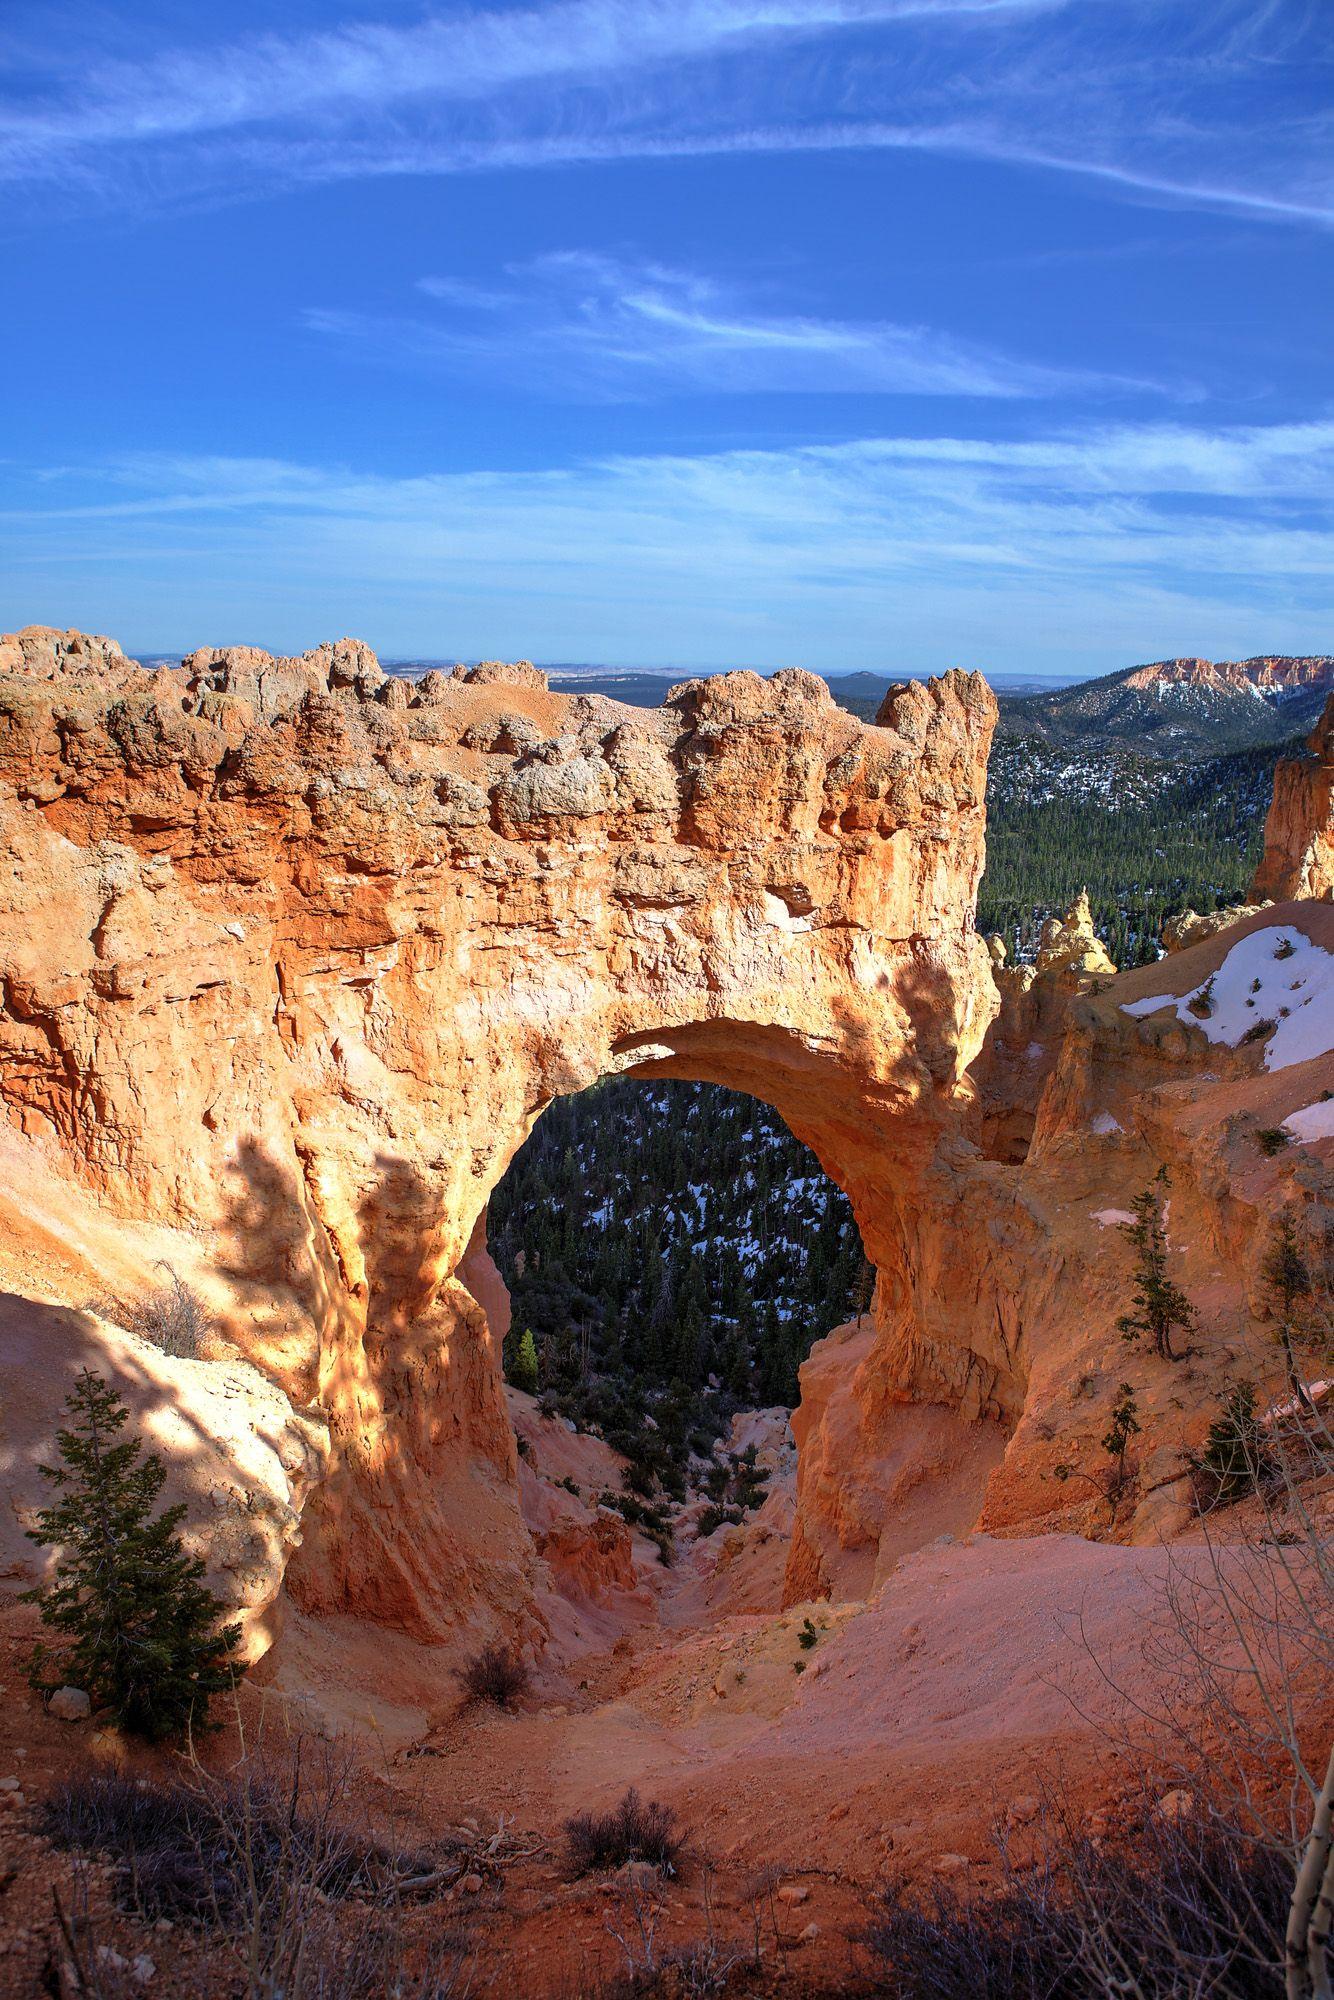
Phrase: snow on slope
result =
(1275, 976)
(1313, 1121)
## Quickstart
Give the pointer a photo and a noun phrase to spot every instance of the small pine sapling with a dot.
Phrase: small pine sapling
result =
(1161, 1305)
(1236, 1456)
(1116, 1441)
(142, 1631)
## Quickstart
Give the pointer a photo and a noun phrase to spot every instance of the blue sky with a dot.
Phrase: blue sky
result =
(849, 333)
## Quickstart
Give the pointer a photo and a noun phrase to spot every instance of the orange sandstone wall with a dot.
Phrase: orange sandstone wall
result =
(296, 952)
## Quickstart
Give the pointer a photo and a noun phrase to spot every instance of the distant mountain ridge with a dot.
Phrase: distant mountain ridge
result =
(1180, 709)
(1275, 674)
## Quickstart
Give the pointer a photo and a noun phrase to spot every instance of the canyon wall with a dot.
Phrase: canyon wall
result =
(1299, 832)
(295, 953)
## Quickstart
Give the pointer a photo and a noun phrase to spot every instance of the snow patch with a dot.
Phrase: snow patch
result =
(1112, 1218)
(1276, 974)
(1104, 1124)
(1313, 1121)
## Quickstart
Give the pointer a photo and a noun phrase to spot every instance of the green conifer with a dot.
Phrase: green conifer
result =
(1236, 1454)
(1162, 1305)
(523, 1362)
(1116, 1441)
(141, 1628)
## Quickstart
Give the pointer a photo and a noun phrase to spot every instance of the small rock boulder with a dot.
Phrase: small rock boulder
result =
(69, 1705)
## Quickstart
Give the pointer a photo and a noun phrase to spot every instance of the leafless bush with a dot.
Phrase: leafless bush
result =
(173, 1318)
(1242, 1659)
(1178, 1905)
(634, 1830)
(497, 1674)
(275, 1865)
(695, 1971)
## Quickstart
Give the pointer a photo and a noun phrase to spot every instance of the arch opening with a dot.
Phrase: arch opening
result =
(671, 1252)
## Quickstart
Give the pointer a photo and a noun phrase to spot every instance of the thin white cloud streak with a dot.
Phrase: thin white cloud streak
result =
(1189, 538)
(375, 66)
(604, 81)
(958, 139)
(585, 327)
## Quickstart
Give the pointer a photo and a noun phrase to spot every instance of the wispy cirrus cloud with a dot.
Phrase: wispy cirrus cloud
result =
(1082, 549)
(445, 57)
(583, 326)
(1170, 103)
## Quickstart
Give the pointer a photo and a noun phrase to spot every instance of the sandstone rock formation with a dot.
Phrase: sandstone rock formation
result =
(1192, 926)
(1024, 1039)
(1299, 833)
(298, 953)
(293, 954)
(1267, 674)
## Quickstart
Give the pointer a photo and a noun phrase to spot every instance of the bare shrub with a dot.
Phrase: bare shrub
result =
(173, 1318)
(181, 1847)
(1242, 1657)
(275, 1864)
(654, 1971)
(1178, 1905)
(497, 1674)
(634, 1830)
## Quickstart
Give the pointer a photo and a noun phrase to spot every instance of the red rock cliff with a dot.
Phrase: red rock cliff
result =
(1299, 833)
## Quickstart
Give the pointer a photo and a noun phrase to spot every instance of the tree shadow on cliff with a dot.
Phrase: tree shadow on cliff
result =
(283, 1265)
(43, 1349)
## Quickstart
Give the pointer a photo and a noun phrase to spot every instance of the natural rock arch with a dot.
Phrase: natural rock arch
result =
(299, 952)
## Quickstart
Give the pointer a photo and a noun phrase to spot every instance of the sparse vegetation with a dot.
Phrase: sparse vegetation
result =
(652, 1522)
(1271, 1139)
(1116, 1441)
(1288, 1286)
(1177, 1905)
(1260, 1031)
(142, 1634)
(497, 1675)
(1162, 1308)
(634, 1830)
(274, 1864)
(736, 1485)
(1201, 1004)
(1236, 1455)
(173, 1318)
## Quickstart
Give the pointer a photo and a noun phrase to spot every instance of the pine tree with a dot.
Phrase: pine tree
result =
(1162, 1304)
(1287, 1280)
(142, 1631)
(1235, 1456)
(1116, 1441)
(523, 1362)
